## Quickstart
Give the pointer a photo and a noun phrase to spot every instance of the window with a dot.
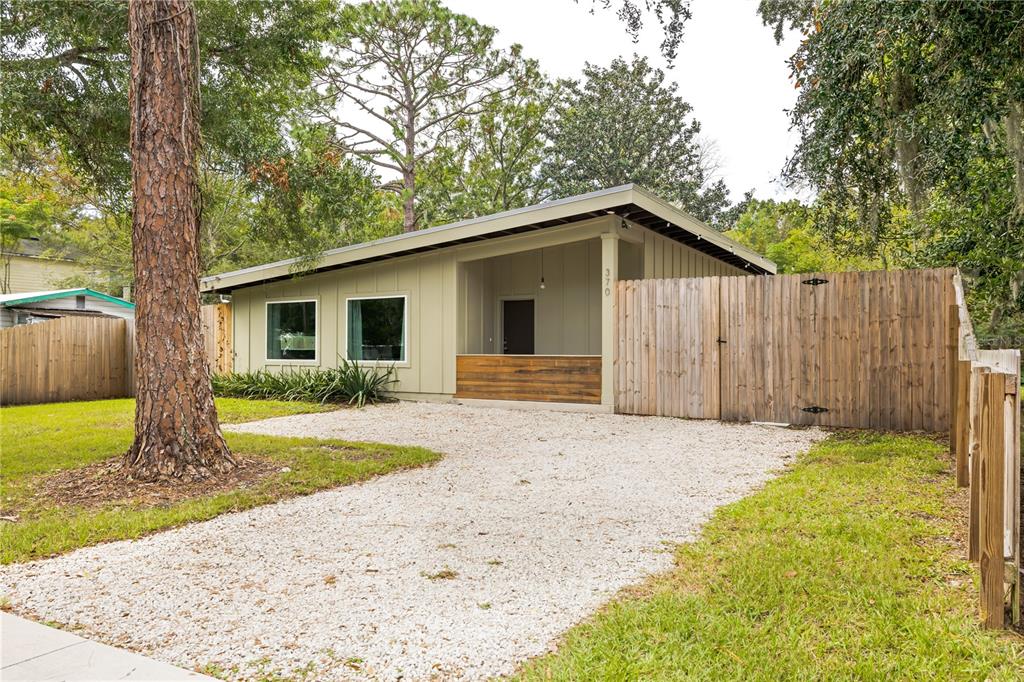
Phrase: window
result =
(291, 330)
(376, 329)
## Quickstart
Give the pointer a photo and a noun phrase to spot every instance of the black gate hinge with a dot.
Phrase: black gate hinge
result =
(815, 281)
(815, 409)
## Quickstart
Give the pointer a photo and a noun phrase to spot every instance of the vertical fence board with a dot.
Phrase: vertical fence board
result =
(990, 486)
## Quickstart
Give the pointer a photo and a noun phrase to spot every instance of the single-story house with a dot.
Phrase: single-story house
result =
(39, 306)
(512, 306)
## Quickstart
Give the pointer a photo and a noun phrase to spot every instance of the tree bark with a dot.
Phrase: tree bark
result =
(409, 200)
(177, 434)
(409, 165)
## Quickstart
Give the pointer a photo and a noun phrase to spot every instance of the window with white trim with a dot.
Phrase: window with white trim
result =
(377, 329)
(291, 330)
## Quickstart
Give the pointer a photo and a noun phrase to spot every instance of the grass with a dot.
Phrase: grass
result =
(845, 567)
(41, 439)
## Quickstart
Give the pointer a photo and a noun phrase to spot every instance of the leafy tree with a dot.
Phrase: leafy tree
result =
(65, 86)
(671, 14)
(317, 197)
(625, 124)
(910, 113)
(402, 75)
(33, 205)
(66, 78)
(490, 162)
(785, 232)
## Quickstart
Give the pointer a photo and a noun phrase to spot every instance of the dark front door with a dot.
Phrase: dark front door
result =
(517, 327)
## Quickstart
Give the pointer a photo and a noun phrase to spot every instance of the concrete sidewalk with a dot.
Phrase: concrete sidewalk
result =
(31, 651)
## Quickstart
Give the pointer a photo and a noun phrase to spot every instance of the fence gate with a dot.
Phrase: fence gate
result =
(859, 349)
(667, 360)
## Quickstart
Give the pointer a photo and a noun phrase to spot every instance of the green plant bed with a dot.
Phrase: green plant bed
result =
(846, 567)
(348, 383)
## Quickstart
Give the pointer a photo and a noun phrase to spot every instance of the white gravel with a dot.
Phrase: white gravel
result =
(543, 517)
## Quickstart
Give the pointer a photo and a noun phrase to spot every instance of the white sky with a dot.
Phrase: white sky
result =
(728, 68)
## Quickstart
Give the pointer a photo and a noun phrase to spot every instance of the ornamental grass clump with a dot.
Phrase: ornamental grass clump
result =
(347, 383)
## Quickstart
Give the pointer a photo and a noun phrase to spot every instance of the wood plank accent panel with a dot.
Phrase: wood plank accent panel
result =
(70, 358)
(543, 378)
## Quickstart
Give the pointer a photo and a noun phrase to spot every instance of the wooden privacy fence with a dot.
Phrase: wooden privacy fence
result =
(88, 358)
(857, 349)
(217, 337)
(70, 358)
(984, 433)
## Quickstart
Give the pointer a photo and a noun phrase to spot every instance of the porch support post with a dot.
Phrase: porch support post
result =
(609, 275)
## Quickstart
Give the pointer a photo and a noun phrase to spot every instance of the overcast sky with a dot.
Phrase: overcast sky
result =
(728, 68)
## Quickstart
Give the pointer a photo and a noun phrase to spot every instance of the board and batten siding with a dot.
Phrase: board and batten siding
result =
(567, 310)
(427, 280)
(661, 258)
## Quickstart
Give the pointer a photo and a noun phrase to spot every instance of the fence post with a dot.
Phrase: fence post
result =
(1011, 411)
(963, 429)
(955, 410)
(991, 489)
(974, 454)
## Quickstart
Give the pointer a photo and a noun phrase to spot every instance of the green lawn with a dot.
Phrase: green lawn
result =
(843, 568)
(39, 440)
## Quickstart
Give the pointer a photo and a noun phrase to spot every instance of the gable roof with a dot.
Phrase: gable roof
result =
(10, 300)
(628, 201)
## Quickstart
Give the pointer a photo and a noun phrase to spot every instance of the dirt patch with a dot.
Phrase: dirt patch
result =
(104, 483)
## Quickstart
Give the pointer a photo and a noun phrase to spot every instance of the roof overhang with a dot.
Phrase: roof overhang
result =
(628, 202)
(12, 300)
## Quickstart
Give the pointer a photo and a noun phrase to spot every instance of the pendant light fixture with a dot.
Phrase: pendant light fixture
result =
(542, 285)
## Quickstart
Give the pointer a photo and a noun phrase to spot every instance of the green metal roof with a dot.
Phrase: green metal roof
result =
(8, 300)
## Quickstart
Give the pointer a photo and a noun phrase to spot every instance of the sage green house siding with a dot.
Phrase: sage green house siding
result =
(567, 310)
(427, 280)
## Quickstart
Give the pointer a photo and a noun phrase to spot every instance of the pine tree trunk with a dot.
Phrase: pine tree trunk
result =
(409, 201)
(176, 430)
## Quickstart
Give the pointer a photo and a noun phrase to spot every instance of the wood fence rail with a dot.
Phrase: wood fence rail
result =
(984, 388)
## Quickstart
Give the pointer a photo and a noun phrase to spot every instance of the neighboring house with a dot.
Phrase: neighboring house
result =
(515, 306)
(26, 268)
(40, 306)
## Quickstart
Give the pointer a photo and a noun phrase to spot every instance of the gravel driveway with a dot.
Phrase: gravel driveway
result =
(460, 570)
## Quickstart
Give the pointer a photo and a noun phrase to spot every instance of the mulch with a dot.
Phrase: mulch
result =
(105, 483)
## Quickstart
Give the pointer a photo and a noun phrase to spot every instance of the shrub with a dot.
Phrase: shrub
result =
(348, 383)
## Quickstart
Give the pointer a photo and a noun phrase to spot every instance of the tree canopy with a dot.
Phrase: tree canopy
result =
(910, 120)
(402, 74)
(623, 124)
